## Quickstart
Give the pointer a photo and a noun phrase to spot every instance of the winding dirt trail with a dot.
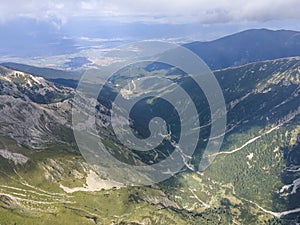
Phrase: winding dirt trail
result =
(247, 143)
(276, 214)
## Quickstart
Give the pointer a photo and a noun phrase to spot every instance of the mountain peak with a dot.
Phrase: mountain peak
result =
(248, 46)
(28, 86)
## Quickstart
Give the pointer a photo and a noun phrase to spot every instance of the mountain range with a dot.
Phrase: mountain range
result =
(233, 50)
(254, 179)
(247, 46)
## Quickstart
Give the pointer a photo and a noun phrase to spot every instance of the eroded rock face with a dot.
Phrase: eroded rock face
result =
(29, 123)
(30, 109)
(29, 87)
(16, 158)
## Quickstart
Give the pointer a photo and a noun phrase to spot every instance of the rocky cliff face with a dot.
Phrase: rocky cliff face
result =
(30, 109)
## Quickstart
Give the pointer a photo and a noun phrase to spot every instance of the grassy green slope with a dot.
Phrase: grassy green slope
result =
(240, 187)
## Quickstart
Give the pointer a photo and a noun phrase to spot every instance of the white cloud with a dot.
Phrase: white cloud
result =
(160, 11)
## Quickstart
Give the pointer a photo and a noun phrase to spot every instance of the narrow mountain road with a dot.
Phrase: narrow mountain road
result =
(276, 214)
(199, 200)
(247, 143)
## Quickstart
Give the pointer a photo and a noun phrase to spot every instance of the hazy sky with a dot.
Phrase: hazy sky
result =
(59, 26)
(154, 11)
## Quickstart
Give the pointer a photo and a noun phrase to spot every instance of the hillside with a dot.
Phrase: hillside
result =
(66, 78)
(30, 109)
(247, 46)
(253, 180)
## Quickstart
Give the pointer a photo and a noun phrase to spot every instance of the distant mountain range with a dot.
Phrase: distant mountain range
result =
(247, 46)
(233, 50)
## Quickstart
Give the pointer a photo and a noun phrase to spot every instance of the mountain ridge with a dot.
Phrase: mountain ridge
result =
(257, 154)
(247, 46)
